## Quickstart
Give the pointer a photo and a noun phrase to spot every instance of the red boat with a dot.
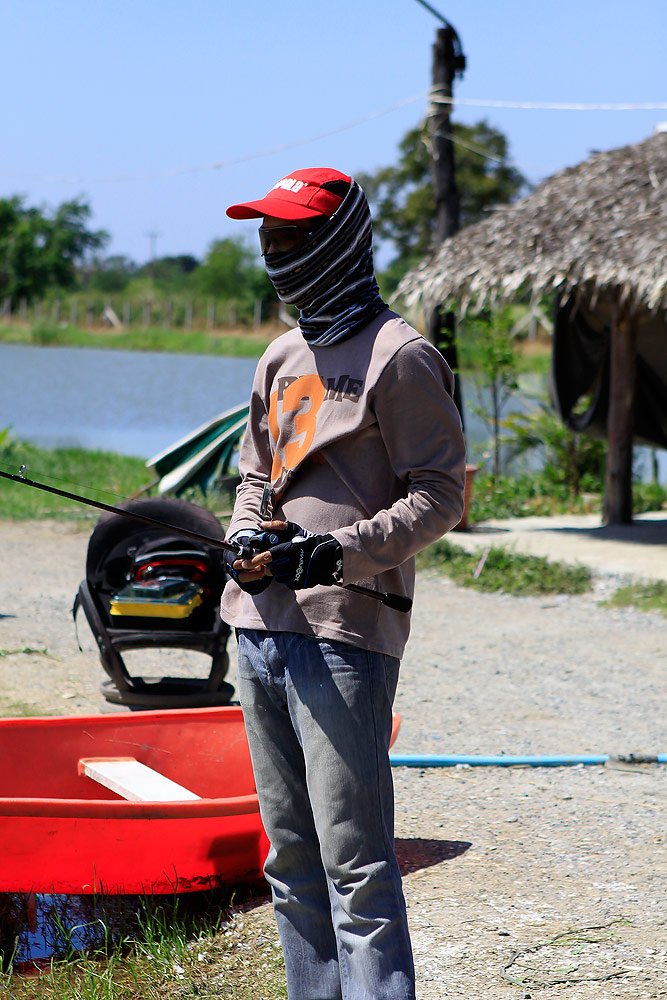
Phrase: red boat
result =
(143, 802)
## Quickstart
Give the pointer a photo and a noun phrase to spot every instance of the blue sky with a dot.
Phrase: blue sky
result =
(130, 104)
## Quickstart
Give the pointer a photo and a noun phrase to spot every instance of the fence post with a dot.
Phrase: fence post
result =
(73, 311)
(232, 315)
(127, 313)
(147, 314)
(55, 311)
(90, 314)
(7, 306)
(23, 310)
(210, 314)
(188, 315)
(167, 314)
(38, 309)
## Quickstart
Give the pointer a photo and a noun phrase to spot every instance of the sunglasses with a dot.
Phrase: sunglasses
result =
(284, 238)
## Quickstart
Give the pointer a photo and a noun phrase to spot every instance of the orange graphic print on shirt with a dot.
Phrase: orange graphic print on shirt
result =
(293, 438)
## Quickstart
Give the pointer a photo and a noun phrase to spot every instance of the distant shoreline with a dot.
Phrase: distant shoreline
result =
(237, 342)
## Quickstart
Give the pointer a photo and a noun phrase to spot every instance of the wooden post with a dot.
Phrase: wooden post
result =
(617, 502)
(448, 59)
(210, 314)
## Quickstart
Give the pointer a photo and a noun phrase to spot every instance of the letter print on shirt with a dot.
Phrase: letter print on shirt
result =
(293, 435)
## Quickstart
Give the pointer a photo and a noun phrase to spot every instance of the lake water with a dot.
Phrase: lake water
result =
(139, 403)
(129, 402)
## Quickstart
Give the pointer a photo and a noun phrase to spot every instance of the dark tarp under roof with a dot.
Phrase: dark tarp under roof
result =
(580, 369)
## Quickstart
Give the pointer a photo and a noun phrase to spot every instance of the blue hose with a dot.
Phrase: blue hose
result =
(508, 760)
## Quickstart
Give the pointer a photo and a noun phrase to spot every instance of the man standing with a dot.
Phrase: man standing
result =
(352, 461)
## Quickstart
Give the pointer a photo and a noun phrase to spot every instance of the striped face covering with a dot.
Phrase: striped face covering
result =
(330, 276)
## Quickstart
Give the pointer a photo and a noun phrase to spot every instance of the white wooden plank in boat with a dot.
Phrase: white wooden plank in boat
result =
(133, 780)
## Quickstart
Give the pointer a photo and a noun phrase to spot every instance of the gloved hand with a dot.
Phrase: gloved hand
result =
(257, 540)
(307, 560)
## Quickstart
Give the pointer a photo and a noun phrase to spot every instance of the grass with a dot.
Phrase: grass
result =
(249, 343)
(536, 494)
(149, 948)
(518, 575)
(98, 475)
(643, 596)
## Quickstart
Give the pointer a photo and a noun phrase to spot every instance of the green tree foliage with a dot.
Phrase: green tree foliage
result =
(170, 272)
(110, 274)
(492, 350)
(40, 249)
(402, 195)
(571, 458)
(229, 271)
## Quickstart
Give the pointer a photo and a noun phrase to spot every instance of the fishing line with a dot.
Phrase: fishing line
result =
(25, 470)
(398, 602)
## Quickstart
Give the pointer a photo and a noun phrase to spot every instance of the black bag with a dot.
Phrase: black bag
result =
(146, 587)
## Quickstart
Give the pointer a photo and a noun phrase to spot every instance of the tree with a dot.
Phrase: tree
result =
(492, 349)
(40, 249)
(170, 271)
(402, 195)
(110, 274)
(229, 271)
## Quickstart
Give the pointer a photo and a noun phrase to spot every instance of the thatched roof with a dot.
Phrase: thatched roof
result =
(600, 225)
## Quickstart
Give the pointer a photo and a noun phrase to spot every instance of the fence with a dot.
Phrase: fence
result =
(115, 311)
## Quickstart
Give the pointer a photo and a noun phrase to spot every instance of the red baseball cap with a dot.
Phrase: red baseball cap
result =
(300, 195)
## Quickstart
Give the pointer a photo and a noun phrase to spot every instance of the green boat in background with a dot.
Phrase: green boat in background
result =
(202, 458)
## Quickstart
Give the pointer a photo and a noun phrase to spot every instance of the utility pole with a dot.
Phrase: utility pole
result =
(153, 237)
(448, 60)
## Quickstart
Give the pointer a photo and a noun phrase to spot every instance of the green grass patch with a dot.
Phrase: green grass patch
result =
(518, 575)
(26, 649)
(643, 596)
(98, 475)
(251, 344)
(536, 494)
(150, 949)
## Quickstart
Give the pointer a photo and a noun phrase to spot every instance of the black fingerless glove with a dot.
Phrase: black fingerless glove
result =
(253, 539)
(307, 560)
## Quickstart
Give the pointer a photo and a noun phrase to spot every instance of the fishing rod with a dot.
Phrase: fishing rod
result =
(397, 602)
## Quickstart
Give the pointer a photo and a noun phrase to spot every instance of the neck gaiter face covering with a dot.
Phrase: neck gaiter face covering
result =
(330, 277)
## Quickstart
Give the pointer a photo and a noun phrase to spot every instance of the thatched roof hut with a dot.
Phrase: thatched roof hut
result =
(599, 225)
(596, 234)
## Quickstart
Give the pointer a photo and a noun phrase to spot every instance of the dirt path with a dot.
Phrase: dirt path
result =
(496, 860)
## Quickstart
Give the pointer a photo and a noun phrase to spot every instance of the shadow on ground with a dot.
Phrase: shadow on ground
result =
(416, 853)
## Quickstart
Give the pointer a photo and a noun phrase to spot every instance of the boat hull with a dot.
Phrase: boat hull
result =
(62, 832)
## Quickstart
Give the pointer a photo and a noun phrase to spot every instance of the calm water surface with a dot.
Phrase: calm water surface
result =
(139, 403)
(124, 401)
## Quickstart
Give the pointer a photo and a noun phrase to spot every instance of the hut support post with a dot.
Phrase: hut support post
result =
(617, 502)
(448, 60)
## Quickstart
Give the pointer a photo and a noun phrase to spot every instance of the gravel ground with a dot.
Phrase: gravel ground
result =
(520, 881)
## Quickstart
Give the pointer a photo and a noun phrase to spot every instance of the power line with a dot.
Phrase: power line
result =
(551, 105)
(221, 165)
(285, 147)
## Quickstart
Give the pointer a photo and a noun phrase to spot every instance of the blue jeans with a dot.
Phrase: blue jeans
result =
(318, 718)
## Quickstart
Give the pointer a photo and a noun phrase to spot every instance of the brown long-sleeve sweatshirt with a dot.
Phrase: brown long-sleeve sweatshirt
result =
(360, 439)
